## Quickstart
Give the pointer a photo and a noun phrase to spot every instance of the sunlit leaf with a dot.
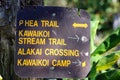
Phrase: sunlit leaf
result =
(108, 61)
(94, 26)
(105, 62)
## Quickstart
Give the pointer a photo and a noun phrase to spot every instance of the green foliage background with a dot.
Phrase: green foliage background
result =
(105, 58)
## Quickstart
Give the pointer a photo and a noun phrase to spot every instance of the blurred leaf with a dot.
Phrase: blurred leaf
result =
(112, 41)
(1, 77)
(105, 62)
(92, 74)
(85, 79)
(109, 75)
(118, 63)
(108, 61)
(94, 26)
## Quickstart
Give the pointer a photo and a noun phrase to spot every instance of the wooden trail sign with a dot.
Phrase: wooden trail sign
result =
(52, 42)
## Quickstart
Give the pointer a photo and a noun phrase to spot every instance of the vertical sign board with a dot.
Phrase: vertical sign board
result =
(52, 42)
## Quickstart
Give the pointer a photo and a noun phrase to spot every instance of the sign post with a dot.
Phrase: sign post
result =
(52, 42)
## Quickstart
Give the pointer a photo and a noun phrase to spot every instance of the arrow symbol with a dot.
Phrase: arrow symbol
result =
(76, 38)
(80, 25)
(78, 62)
